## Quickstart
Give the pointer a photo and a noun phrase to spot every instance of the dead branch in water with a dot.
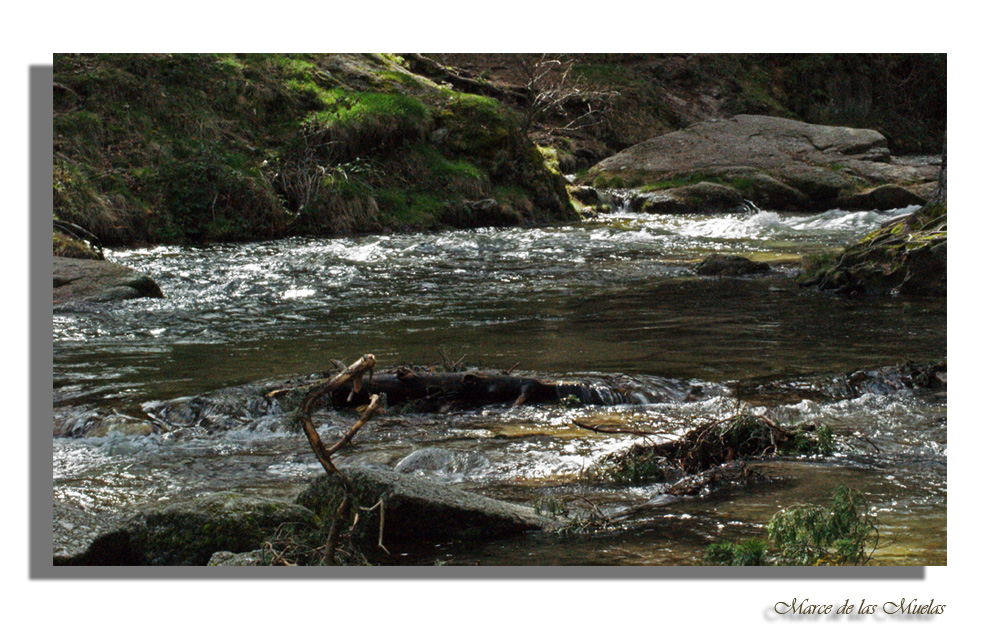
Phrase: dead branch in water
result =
(611, 429)
(374, 406)
(352, 374)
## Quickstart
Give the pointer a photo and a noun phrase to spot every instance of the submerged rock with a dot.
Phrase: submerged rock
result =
(439, 461)
(98, 281)
(723, 265)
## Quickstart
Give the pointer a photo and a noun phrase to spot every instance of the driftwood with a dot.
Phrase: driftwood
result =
(352, 374)
(464, 83)
(472, 389)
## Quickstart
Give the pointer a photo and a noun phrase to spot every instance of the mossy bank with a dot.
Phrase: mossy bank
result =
(204, 148)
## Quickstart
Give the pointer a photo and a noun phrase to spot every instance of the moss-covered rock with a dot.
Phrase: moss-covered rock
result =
(190, 532)
(63, 245)
(905, 256)
(883, 197)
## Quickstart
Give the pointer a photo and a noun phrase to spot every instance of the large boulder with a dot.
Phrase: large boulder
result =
(800, 165)
(78, 279)
(188, 532)
(414, 509)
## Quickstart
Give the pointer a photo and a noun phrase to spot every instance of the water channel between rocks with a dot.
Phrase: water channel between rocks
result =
(611, 299)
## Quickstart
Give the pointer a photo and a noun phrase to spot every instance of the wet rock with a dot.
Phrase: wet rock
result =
(767, 192)
(883, 197)
(189, 532)
(894, 379)
(585, 195)
(120, 425)
(419, 510)
(98, 281)
(74, 530)
(245, 407)
(704, 197)
(725, 265)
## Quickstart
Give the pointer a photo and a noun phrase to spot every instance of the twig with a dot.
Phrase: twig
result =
(372, 409)
(356, 370)
(607, 429)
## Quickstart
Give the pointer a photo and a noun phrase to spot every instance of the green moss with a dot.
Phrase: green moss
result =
(814, 265)
(550, 156)
(408, 208)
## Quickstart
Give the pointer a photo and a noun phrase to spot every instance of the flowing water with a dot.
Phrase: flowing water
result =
(612, 299)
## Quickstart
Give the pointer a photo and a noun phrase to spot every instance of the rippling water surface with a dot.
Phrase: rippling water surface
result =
(612, 298)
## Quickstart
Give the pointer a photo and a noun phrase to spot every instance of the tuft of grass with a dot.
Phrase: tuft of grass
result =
(749, 552)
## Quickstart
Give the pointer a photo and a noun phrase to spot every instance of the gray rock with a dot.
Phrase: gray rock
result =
(419, 510)
(801, 165)
(760, 142)
(231, 559)
(78, 279)
(189, 532)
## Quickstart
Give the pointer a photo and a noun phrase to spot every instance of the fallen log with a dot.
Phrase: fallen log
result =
(438, 389)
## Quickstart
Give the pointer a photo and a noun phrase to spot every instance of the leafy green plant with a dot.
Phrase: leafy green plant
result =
(843, 533)
(846, 533)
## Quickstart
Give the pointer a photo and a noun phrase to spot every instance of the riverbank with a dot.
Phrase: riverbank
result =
(206, 148)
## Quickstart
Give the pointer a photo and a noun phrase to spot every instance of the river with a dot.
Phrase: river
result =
(610, 299)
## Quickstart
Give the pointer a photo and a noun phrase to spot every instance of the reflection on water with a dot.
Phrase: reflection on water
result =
(611, 298)
(611, 295)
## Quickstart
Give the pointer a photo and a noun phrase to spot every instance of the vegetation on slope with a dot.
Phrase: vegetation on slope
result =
(197, 148)
(639, 96)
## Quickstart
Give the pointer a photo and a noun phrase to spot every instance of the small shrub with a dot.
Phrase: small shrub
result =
(845, 533)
